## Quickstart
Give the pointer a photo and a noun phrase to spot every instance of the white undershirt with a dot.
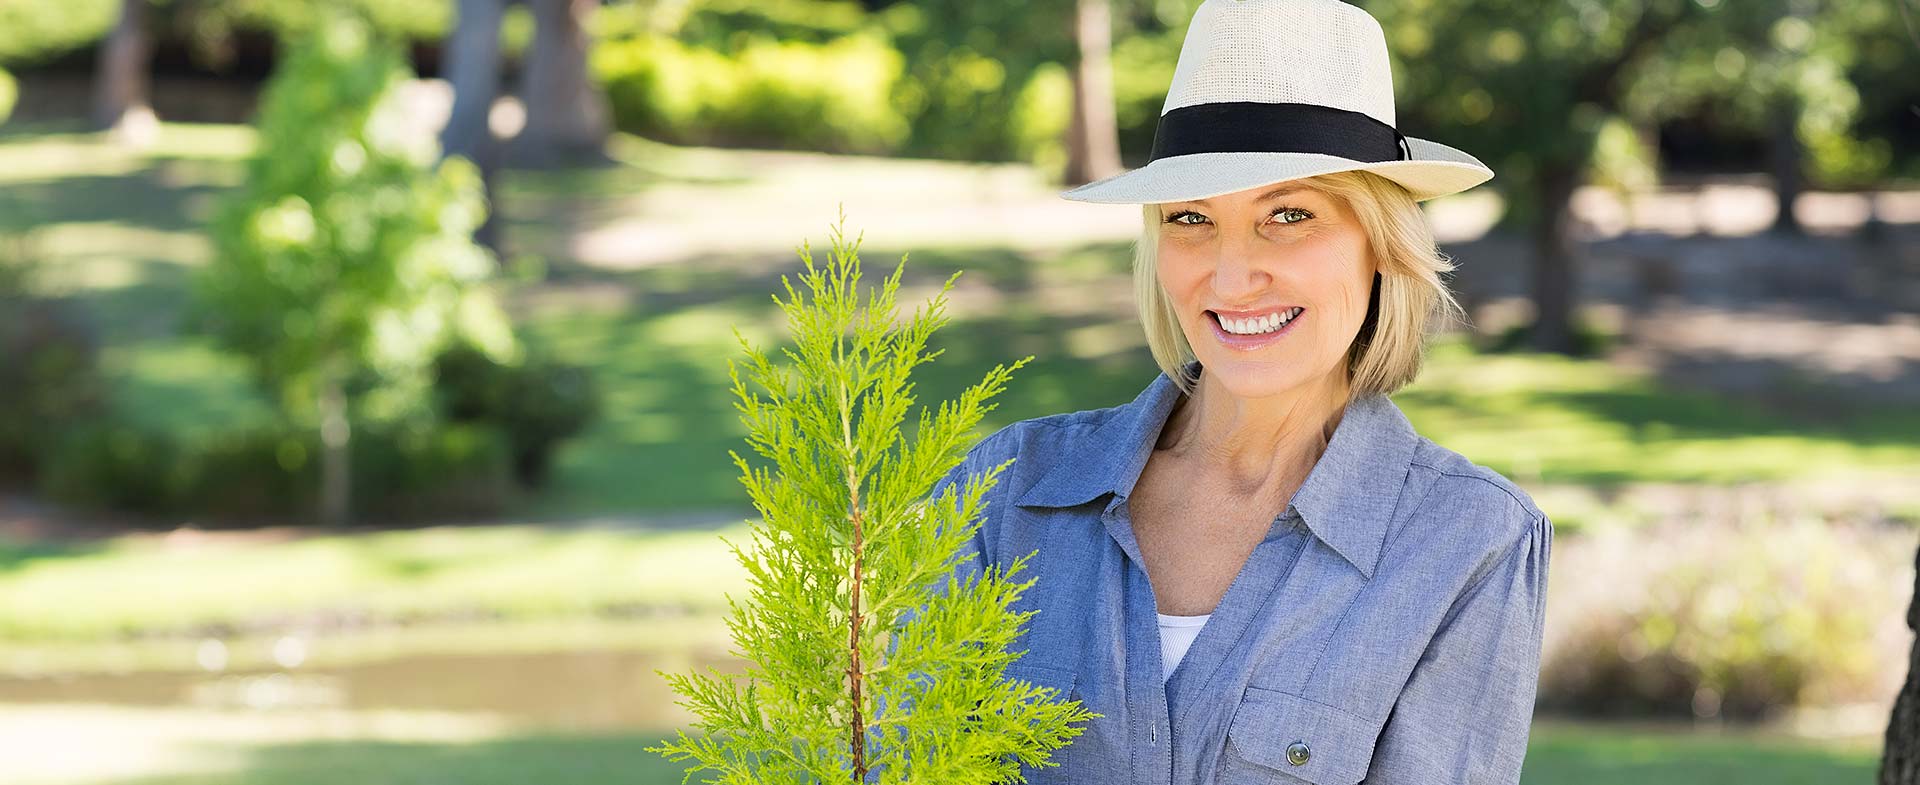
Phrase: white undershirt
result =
(1176, 634)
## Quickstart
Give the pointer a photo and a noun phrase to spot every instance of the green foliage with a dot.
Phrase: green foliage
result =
(1622, 161)
(967, 64)
(726, 25)
(210, 27)
(1142, 68)
(1041, 115)
(9, 93)
(1777, 56)
(51, 376)
(241, 475)
(348, 250)
(767, 93)
(34, 30)
(1489, 71)
(847, 566)
(50, 381)
(537, 403)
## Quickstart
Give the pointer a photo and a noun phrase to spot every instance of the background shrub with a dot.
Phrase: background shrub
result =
(242, 478)
(50, 375)
(767, 93)
(1736, 618)
(536, 403)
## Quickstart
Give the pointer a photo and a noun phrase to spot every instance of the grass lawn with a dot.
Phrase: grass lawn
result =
(177, 747)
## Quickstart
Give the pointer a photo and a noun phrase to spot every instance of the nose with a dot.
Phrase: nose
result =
(1237, 273)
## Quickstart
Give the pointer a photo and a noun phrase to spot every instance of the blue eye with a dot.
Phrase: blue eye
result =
(1293, 211)
(1176, 217)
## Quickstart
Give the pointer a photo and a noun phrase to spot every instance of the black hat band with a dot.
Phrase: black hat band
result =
(1261, 127)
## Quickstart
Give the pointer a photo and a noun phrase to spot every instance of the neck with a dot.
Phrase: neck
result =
(1255, 446)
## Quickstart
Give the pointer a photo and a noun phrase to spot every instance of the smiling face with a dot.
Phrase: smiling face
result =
(1235, 266)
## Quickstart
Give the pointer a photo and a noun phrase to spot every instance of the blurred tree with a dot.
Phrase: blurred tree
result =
(968, 61)
(345, 263)
(120, 104)
(1528, 85)
(1487, 72)
(1093, 140)
(567, 116)
(470, 62)
(1778, 71)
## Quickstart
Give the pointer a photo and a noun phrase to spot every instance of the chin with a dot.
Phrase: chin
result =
(1248, 377)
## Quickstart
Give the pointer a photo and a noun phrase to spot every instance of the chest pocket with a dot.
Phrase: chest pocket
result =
(1080, 756)
(1278, 737)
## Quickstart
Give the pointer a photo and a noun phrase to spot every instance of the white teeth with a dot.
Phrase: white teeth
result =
(1264, 324)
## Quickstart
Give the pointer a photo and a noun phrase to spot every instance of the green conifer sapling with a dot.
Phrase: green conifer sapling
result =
(867, 658)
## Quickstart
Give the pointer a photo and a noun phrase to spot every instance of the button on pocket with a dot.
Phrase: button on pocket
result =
(1279, 737)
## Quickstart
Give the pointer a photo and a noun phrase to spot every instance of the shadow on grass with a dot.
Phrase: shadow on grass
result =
(148, 197)
(16, 556)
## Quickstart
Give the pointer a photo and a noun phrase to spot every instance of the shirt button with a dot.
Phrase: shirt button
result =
(1298, 754)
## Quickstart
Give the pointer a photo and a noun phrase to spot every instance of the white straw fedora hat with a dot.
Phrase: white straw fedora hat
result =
(1273, 90)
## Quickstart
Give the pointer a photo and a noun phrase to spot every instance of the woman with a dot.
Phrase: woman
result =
(1257, 571)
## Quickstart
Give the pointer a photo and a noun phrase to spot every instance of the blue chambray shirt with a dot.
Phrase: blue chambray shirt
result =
(1387, 629)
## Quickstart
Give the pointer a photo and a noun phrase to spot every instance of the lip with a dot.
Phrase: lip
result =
(1248, 314)
(1251, 342)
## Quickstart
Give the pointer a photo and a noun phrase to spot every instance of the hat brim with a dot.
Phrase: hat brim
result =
(1434, 170)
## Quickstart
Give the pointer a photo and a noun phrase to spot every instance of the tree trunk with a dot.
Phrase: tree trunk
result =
(1900, 758)
(1785, 159)
(471, 63)
(567, 116)
(1093, 136)
(120, 82)
(336, 491)
(1555, 258)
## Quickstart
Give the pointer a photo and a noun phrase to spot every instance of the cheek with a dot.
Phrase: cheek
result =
(1344, 282)
(1179, 278)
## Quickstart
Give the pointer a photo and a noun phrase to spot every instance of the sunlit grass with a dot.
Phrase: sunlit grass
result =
(1554, 419)
(135, 584)
(1580, 753)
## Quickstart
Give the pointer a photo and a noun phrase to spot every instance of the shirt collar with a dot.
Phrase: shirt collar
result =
(1347, 500)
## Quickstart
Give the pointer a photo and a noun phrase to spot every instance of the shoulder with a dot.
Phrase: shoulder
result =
(1038, 437)
(1475, 506)
(1459, 480)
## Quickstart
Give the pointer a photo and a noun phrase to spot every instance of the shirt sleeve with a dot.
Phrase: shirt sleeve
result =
(1465, 713)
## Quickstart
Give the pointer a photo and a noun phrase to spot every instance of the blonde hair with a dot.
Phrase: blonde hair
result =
(1408, 293)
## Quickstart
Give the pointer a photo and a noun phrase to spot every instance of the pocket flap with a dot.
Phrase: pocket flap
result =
(1337, 746)
(1059, 679)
